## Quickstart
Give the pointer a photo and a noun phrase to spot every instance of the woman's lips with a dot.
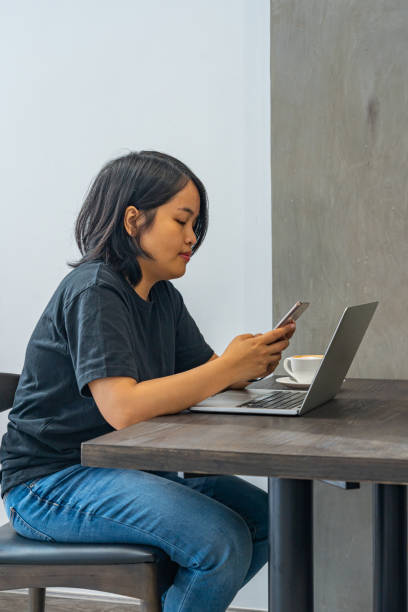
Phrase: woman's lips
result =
(186, 257)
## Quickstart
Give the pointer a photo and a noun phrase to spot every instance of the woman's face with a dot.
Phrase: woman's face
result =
(171, 234)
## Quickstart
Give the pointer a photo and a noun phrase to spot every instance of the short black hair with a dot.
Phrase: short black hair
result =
(146, 180)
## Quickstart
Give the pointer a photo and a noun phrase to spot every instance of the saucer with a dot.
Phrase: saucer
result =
(292, 384)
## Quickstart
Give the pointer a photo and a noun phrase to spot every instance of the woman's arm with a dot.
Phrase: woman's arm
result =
(237, 385)
(123, 401)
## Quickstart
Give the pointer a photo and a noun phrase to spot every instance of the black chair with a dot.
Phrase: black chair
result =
(144, 572)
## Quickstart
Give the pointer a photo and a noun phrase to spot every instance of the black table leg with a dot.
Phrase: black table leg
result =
(290, 545)
(390, 548)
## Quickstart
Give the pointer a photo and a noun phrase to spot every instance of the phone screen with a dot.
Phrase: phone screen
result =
(294, 313)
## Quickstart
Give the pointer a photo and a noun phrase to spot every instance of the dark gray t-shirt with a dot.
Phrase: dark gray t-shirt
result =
(94, 326)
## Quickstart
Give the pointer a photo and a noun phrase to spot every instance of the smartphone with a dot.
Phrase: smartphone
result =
(294, 313)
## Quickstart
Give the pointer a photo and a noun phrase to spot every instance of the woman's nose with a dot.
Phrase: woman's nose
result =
(193, 239)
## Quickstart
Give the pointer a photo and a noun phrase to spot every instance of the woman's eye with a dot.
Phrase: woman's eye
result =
(181, 222)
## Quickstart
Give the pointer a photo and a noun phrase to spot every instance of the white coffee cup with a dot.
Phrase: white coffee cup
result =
(303, 368)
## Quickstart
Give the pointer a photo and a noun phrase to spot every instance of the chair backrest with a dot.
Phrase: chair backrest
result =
(8, 386)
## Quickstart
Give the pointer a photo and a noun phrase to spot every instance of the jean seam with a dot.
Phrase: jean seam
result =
(14, 514)
(190, 586)
(170, 544)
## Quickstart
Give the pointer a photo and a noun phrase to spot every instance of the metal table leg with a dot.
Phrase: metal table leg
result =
(390, 548)
(290, 545)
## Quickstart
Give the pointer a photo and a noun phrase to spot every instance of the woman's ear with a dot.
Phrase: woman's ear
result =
(130, 219)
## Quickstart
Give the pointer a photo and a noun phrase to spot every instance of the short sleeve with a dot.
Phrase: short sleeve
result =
(97, 324)
(191, 348)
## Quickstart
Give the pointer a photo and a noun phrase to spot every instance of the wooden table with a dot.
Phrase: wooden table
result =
(362, 435)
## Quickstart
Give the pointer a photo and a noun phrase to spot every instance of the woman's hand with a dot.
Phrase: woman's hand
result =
(290, 334)
(242, 384)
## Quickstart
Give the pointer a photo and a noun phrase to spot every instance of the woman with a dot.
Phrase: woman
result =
(114, 346)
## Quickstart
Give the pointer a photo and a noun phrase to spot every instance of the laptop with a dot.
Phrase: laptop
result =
(327, 381)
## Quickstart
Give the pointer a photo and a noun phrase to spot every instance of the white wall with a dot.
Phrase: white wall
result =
(84, 81)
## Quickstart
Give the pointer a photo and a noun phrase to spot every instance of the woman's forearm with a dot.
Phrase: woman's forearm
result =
(172, 394)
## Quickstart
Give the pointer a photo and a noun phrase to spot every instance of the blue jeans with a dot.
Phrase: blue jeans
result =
(214, 527)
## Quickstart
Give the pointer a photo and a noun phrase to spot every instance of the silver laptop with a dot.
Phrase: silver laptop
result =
(328, 379)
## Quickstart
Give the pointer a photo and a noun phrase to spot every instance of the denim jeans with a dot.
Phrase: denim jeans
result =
(214, 527)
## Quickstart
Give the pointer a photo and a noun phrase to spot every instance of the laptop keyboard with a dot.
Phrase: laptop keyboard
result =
(281, 400)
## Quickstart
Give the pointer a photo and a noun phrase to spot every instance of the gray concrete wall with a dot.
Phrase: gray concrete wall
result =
(339, 121)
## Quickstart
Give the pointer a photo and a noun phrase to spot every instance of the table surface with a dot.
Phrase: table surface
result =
(361, 435)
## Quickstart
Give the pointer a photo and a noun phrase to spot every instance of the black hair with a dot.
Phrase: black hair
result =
(146, 180)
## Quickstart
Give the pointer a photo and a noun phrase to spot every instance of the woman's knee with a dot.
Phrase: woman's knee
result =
(227, 544)
(247, 500)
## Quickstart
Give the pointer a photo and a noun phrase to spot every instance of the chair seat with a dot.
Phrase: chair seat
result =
(17, 549)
